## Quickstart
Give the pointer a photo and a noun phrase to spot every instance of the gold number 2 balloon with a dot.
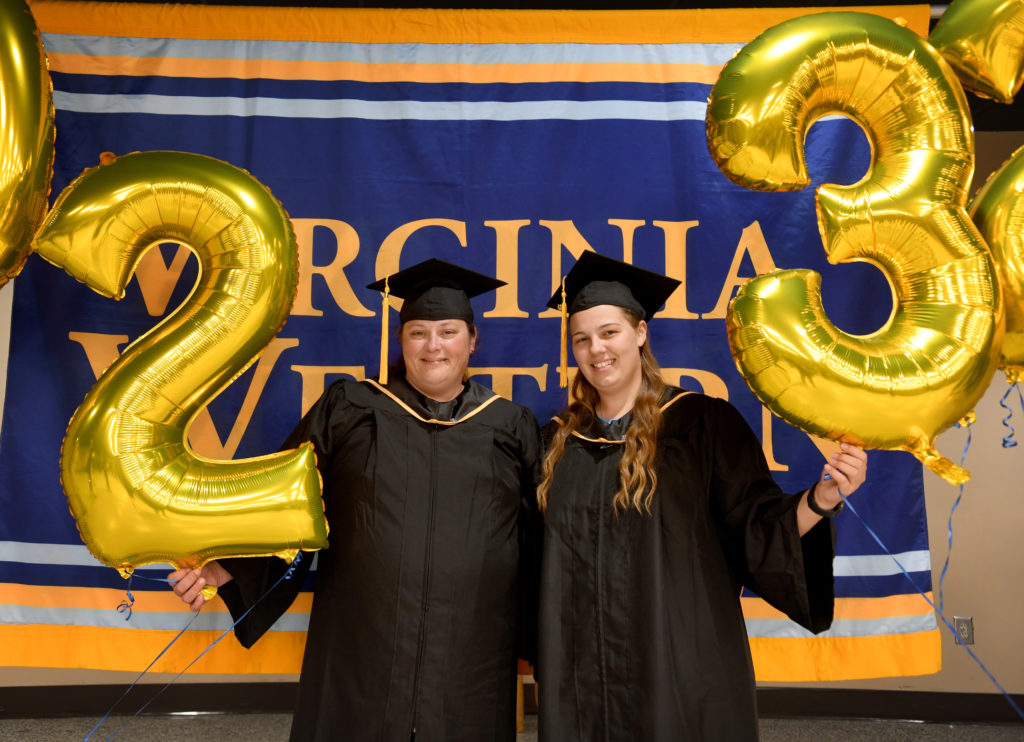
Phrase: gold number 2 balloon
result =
(983, 40)
(26, 126)
(927, 366)
(998, 211)
(138, 493)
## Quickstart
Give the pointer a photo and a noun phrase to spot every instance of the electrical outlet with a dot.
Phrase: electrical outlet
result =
(964, 626)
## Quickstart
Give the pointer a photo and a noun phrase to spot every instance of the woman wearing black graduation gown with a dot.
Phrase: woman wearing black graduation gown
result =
(659, 508)
(428, 491)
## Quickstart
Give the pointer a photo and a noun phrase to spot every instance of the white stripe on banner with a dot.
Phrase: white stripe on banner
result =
(77, 555)
(323, 51)
(67, 555)
(140, 619)
(784, 628)
(382, 110)
(880, 565)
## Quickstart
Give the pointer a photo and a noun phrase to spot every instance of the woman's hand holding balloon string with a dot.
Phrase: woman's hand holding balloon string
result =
(845, 471)
(842, 474)
(188, 583)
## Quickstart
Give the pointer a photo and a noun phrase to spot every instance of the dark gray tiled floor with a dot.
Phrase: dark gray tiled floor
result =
(274, 728)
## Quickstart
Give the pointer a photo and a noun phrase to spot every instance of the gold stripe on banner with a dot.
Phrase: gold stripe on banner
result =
(277, 69)
(859, 608)
(391, 26)
(36, 645)
(845, 657)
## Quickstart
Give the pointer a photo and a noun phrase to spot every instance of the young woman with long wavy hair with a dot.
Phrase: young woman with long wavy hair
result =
(659, 508)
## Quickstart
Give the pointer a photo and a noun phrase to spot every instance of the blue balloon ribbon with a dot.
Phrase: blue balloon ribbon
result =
(286, 576)
(1008, 441)
(942, 576)
(128, 604)
(949, 522)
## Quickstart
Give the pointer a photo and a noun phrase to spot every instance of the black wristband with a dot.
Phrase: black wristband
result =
(815, 508)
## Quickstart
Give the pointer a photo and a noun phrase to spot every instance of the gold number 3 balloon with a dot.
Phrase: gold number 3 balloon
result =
(26, 122)
(138, 493)
(900, 386)
(983, 40)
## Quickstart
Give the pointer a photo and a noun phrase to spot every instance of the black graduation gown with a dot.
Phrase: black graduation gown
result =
(641, 633)
(413, 624)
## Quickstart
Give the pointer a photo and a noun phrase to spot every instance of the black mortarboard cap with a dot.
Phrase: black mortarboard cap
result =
(596, 280)
(435, 289)
(432, 290)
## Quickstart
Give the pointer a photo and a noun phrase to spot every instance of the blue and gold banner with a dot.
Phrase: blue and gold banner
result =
(505, 141)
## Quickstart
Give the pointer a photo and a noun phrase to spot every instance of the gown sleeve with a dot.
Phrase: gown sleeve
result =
(251, 605)
(758, 527)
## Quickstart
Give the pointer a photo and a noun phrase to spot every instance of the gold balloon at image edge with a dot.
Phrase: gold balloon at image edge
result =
(902, 385)
(983, 41)
(998, 212)
(26, 124)
(161, 502)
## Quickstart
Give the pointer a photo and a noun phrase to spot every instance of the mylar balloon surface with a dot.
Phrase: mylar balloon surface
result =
(983, 40)
(137, 491)
(998, 211)
(925, 369)
(26, 135)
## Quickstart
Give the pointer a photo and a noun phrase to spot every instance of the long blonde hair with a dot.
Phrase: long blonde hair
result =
(637, 476)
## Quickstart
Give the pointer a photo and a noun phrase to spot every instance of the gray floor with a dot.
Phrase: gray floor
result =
(274, 728)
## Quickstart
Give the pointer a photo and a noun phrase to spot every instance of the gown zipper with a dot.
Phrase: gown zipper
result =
(426, 578)
(602, 506)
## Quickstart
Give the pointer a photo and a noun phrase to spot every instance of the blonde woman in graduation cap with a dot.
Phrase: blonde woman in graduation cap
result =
(659, 508)
(429, 493)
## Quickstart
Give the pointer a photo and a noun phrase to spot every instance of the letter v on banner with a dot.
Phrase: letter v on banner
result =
(157, 280)
(102, 349)
(202, 435)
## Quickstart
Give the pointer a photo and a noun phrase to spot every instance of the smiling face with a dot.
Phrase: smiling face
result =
(436, 354)
(606, 347)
